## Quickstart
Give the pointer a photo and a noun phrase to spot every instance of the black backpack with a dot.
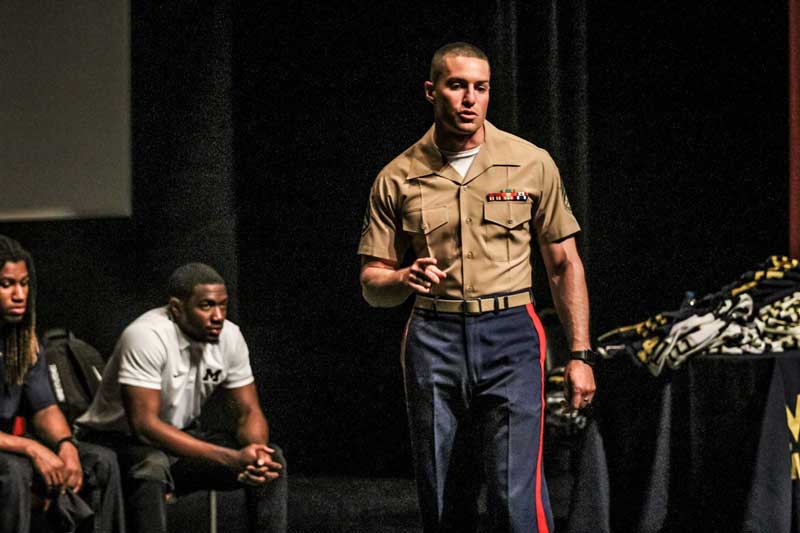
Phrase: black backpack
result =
(75, 369)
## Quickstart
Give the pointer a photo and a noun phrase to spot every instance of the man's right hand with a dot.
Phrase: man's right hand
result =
(255, 465)
(422, 275)
(48, 464)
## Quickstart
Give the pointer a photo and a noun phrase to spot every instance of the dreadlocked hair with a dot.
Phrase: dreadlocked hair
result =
(21, 346)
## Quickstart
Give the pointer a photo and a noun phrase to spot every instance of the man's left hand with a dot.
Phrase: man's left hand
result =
(579, 383)
(73, 473)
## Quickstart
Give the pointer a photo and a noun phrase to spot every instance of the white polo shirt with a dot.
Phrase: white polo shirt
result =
(154, 353)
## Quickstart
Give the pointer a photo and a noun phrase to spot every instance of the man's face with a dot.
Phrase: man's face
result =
(202, 315)
(14, 286)
(460, 96)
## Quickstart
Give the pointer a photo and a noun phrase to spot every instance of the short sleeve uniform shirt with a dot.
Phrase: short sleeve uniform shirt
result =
(480, 227)
(155, 354)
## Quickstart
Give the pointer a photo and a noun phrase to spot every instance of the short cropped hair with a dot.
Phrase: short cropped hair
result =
(458, 49)
(182, 282)
(20, 344)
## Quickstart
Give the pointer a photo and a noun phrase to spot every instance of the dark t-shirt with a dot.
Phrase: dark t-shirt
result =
(33, 395)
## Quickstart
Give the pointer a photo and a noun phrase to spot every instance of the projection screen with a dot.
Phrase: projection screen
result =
(65, 140)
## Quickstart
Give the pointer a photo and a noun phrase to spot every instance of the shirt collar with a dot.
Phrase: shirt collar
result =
(183, 340)
(426, 159)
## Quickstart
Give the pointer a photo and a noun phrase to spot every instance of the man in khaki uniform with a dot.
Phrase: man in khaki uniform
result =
(466, 199)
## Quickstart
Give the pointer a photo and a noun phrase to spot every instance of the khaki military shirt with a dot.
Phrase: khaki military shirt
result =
(478, 227)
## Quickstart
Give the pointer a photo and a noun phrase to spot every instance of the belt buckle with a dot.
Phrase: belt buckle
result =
(465, 307)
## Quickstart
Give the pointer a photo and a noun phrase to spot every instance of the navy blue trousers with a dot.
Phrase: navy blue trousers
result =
(474, 394)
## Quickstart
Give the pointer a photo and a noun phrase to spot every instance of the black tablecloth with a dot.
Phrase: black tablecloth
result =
(708, 447)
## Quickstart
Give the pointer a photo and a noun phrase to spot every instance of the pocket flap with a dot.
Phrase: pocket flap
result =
(426, 220)
(507, 214)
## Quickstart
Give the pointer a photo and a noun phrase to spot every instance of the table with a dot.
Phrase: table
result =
(712, 446)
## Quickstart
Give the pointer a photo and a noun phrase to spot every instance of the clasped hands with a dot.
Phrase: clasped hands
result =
(257, 466)
(60, 471)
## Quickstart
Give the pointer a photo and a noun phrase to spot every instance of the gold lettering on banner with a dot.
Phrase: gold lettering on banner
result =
(793, 421)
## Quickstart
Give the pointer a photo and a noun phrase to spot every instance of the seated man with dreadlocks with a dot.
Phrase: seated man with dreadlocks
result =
(52, 463)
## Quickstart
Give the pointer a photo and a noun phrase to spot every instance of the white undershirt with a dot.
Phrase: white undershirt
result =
(461, 161)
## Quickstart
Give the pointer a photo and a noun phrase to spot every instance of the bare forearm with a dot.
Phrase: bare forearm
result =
(568, 285)
(177, 442)
(14, 444)
(383, 287)
(253, 429)
(51, 424)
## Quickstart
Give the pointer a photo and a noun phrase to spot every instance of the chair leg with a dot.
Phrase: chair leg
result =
(212, 511)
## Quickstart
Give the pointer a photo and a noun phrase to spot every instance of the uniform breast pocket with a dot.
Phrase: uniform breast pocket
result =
(507, 230)
(430, 232)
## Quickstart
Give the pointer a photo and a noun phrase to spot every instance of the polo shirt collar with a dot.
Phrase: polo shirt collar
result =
(183, 341)
(427, 160)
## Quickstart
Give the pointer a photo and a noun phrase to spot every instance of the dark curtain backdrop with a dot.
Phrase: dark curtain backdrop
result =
(689, 153)
(258, 129)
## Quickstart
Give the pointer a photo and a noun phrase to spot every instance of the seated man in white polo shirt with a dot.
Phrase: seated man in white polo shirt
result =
(165, 366)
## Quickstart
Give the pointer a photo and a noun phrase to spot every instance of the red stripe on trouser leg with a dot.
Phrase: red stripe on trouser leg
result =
(403, 341)
(541, 518)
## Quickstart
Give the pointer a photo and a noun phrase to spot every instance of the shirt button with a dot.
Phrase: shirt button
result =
(469, 220)
(469, 255)
(510, 221)
(471, 288)
(425, 226)
(465, 187)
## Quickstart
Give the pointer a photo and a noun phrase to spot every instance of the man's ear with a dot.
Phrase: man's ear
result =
(175, 307)
(429, 91)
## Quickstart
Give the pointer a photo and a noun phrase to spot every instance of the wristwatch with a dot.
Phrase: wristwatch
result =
(587, 356)
(71, 439)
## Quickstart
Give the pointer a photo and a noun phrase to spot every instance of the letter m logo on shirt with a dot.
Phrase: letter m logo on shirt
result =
(212, 375)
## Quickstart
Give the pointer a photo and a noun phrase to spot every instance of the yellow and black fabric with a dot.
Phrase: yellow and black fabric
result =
(757, 313)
